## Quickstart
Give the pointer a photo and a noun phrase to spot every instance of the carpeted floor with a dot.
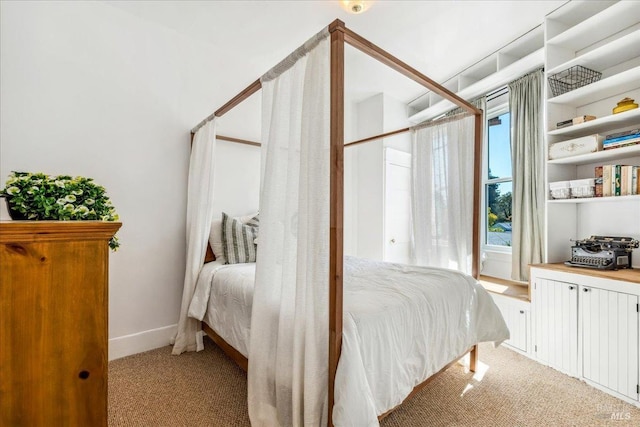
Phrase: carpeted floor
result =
(207, 389)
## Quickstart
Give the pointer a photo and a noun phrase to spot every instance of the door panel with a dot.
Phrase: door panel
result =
(397, 206)
(556, 324)
(610, 339)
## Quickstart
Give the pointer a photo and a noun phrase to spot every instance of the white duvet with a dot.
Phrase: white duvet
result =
(402, 324)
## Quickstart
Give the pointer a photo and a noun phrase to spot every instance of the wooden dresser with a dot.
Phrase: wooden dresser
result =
(53, 322)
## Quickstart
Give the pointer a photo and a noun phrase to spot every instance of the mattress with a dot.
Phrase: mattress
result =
(402, 324)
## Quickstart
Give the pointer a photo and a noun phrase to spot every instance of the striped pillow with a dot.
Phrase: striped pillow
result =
(237, 240)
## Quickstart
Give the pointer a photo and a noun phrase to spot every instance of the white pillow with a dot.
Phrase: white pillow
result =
(237, 240)
(215, 239)
(215, 235)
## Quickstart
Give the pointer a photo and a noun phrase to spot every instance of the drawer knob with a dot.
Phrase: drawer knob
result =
(521, 311)
(571, 288)
(83, 375)
(586, 289)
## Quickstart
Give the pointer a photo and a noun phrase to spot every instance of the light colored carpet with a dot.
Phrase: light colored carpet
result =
(208, 389)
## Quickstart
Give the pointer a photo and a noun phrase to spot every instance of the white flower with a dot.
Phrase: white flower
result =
(82, 210)
(70, 198)
(89, 202)
(61, 202)
(59, 183)
(69, 207)
(13, 190)
(77, 192)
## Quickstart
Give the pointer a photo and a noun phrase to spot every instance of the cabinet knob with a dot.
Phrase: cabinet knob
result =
(586, 289)
(521, 311)
(571, 288)
(392, 240)
(83, 375)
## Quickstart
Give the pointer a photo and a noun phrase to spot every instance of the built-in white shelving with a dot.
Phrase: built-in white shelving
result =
(493, 72)
(599, 156)
(616, 84)
(618, 51)
(601, 124)
(605, 37)
(598, 27)
(596, 200)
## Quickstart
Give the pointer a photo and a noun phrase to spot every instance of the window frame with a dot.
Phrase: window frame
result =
(495, 108)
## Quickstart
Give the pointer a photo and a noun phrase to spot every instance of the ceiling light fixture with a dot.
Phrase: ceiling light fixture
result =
(355, 6)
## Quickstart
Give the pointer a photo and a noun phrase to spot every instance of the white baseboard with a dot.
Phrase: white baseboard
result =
(141, 341)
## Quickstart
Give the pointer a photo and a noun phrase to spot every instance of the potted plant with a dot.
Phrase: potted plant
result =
(36, 196)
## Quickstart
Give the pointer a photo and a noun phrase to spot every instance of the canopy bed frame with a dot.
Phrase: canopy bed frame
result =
(339, 35)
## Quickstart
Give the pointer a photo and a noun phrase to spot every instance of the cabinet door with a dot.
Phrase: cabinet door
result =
(517, 320)
(556, 324)
(610, 339)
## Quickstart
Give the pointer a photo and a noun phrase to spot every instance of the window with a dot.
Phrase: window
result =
(498, 179)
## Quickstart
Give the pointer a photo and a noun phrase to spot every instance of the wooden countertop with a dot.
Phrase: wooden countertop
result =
(625, 275)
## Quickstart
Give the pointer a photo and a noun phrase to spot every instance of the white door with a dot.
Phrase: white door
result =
(610, 339)
(556, 324)
(397, 214)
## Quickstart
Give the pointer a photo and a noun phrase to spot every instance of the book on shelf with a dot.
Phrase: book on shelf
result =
(582, 119)
(610, 139)
(606, 180)
(620, 144)
(617, 180)
(598, 181)
(623, 133)
(574, 121)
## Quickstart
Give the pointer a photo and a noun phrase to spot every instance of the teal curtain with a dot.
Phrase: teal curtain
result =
(527, 148)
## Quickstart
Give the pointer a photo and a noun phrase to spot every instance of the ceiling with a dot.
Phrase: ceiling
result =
(438, 38)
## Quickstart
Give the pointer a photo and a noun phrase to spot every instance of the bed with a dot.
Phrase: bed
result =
(402, 324)
(381, 346)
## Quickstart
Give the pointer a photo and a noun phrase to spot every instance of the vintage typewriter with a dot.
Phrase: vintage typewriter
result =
(604, 253)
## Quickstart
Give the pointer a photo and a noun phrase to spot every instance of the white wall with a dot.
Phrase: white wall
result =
(364, 173)
(89, 90)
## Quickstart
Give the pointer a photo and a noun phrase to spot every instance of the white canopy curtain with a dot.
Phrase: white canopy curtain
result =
(442, 192)
(288, 353)
(199, 213)
(527, 146)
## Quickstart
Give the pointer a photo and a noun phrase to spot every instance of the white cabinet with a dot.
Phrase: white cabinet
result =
(556, 324)
(586, 325)
(605, 37)
(610, 339)
(516, 315)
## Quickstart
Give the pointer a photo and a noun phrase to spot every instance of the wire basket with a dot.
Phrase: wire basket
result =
(572, 78)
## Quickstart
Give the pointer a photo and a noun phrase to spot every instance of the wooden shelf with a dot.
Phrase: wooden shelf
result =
(596, 200)
(598, 27)
(624, 81)
(507, 288)
(599, 156)
(601, 124)
(616, 52)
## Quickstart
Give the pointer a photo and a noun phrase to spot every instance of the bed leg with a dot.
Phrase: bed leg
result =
(473, 358)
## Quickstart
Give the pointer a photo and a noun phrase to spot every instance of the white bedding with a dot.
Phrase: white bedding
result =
(402, 324)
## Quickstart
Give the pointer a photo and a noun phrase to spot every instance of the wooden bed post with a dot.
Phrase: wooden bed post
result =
(336, 201)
